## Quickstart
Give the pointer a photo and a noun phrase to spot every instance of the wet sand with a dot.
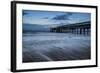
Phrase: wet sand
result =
(44, 47)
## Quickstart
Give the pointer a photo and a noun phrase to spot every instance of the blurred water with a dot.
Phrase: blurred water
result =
(46, 46)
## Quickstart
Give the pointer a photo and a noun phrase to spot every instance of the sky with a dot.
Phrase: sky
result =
(53, 18)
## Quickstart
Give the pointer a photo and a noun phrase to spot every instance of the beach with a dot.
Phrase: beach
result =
(50, 46)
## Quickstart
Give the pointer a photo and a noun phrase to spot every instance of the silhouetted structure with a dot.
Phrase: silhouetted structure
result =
(78, 28)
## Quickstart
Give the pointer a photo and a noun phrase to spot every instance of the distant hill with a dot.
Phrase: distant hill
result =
(35, 28)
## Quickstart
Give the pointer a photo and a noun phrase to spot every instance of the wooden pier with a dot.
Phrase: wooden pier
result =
(77, 28)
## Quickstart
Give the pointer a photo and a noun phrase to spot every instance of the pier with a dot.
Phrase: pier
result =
(77, 28)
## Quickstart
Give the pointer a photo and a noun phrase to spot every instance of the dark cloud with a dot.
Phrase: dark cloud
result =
(25, 13)
(45, 18)
(64, 16)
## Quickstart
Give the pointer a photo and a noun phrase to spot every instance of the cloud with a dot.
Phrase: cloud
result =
(25, 13)
(64, 16)
(45, 18)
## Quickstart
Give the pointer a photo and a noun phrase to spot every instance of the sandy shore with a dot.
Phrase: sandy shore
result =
(55, 47)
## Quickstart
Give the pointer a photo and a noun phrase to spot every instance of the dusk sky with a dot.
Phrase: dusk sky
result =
(53, 18)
